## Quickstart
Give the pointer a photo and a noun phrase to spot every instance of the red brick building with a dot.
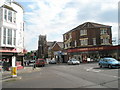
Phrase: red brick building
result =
(88, 40)
(54, 49)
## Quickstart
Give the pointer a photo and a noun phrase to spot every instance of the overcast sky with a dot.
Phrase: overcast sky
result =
(55, 17)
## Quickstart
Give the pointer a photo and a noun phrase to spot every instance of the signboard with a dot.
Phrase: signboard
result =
(94, 49)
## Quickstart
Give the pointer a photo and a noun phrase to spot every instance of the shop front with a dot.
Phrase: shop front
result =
(94, 53)
(9, 59)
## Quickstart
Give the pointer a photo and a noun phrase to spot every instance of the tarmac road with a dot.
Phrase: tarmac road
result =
(67, 76)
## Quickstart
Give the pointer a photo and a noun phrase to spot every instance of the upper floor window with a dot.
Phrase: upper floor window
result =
(4, 36)
(14, 39)
(84, 41)
(9, 37)
(105, 41)
(14, 17)
(10, 16)
(75, 43)
(5, 14)
(70, 35)
(65, 38)
(103, 31)
(83, 32)
(94, 41)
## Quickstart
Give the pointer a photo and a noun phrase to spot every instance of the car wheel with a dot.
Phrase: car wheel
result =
(110, 66)
(100, 65)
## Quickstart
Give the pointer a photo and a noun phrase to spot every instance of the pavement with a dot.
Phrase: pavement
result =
(6, 75)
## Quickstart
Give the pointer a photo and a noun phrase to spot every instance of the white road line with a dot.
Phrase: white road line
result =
(88, 69)
(91, 69)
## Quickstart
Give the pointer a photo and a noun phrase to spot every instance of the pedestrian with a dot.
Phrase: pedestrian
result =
(34, 66)
(24, 63)
(27, 63)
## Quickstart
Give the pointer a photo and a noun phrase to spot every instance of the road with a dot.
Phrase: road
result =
(68, 76)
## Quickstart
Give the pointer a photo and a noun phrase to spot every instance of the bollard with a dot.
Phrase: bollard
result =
(14, 71)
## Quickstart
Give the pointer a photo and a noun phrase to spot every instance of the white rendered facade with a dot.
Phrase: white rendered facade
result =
(12, 26)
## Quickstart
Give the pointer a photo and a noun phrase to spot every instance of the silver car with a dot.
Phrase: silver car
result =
(73, 62)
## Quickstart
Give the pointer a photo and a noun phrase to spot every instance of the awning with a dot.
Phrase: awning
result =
(10, 51)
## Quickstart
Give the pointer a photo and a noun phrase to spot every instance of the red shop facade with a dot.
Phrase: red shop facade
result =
(94, 53)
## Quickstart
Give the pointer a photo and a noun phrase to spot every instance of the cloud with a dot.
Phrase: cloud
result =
(55, 17)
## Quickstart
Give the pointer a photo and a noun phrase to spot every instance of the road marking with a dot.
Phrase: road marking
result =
(91, 69)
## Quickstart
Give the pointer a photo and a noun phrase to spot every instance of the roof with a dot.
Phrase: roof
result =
(51, 44)
(89, 25)
(18, 4)
(60, 44)
(8, 7)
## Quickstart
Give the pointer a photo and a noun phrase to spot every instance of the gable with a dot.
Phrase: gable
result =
(56, 47)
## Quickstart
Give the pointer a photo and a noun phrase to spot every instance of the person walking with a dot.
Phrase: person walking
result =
(34, 66)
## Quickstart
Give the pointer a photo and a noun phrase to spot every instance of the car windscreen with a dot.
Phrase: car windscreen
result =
(41, 60)
(110, 59)
(74, 60)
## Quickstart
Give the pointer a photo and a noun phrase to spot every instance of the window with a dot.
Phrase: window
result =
(103, 30)
(84, 41)
(105, 41)
(10, 16)
(9, 37)
(14, 41)
(70, 35)
(4, 36)
(65, 37)
(83, 32)
(75, 43)
(14, 17)
(5, 14)
(94, 41)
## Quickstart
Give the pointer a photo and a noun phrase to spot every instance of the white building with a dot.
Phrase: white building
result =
(11, 28)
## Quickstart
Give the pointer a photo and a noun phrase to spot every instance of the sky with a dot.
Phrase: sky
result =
(55, 17)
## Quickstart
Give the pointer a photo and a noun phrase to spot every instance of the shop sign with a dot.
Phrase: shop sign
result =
(85, 49)
(94, 49)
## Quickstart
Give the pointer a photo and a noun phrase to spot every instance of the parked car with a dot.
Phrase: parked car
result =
(40, 62)
(73, 61)
(31, 61)
(109, 62)
(52, 62)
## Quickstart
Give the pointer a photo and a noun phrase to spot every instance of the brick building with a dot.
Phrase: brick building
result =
(88, 40)
(55, 50)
